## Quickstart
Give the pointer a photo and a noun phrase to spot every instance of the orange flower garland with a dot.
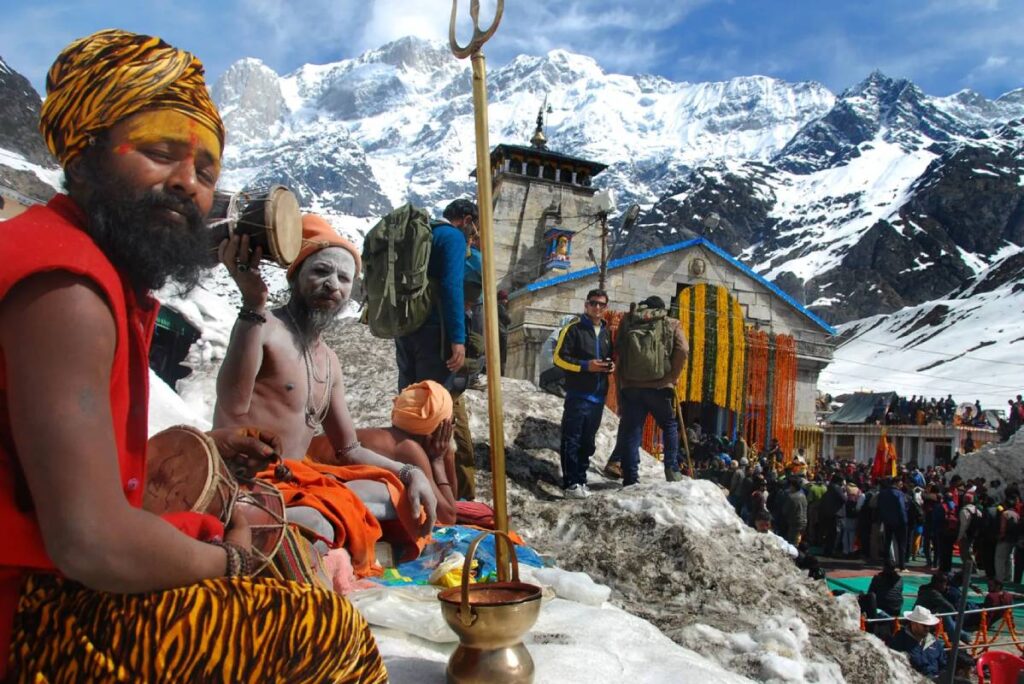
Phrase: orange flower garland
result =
(784, 393)
(757, 379)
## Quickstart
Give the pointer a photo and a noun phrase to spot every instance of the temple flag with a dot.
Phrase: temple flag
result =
(880, 465)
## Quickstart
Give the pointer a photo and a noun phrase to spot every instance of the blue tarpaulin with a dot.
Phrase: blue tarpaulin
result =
(448, 540)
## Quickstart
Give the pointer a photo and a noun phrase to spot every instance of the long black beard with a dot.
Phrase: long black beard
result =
(146, 248)
(311, 321)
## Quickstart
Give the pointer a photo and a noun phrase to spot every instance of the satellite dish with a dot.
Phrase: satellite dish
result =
(630, 217)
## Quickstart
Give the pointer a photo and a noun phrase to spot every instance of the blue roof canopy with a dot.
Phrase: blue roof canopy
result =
(668, 249)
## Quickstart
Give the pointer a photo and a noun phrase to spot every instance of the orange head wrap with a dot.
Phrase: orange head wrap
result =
(421, 407)
(318, 234)
(101, 79)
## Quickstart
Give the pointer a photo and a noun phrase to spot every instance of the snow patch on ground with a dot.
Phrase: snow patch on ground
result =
(54, 177)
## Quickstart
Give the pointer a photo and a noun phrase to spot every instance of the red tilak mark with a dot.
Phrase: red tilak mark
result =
(124, 148)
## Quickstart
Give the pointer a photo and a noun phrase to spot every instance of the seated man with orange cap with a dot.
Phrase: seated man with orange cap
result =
(421, 435)
(93, 587)
(279, 374)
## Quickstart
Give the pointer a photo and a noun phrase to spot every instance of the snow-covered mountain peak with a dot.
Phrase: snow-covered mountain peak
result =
(250, 101)
(411, 53)
(1012, 97)
(879, 109)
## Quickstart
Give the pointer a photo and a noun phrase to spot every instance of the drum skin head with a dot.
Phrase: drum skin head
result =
(284, 225)
(180, 463)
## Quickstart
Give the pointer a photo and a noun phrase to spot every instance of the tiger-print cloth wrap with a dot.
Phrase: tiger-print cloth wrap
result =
(231, 630)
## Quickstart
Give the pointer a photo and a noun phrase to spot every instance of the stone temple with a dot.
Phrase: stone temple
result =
(550, 243)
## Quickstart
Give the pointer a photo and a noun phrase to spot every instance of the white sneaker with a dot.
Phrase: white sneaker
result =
(576, 492)
(586, 490)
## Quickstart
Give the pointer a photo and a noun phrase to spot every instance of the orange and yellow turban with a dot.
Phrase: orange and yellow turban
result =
(421, 407)
(99, 80)
(318, 234)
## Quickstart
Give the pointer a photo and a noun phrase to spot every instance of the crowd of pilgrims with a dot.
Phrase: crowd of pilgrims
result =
(916, 410)
(840, 509)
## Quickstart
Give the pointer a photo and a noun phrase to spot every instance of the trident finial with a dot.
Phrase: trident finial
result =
(479, 37)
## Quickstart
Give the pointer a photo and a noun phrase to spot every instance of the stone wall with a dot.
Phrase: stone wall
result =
(524, 209)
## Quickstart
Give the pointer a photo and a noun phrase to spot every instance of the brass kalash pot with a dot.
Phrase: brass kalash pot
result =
(490, 619)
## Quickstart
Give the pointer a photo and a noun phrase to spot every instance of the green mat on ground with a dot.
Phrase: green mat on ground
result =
(911, 584)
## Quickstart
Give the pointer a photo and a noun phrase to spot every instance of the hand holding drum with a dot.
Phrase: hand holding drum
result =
(243, 263)
(185, 472)
(247, 450)
(271, 220)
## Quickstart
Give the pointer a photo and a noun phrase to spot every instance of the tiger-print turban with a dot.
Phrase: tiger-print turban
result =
(99, 80)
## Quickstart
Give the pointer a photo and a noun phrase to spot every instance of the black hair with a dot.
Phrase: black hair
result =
(460, 208)
(597, 292)
(654, 302)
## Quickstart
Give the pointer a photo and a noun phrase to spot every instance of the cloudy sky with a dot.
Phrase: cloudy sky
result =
(942, 45)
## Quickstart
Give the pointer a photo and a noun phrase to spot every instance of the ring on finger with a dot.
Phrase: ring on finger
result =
(241, 266)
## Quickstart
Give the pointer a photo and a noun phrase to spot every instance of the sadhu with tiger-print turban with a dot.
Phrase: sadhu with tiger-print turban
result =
(101, 79)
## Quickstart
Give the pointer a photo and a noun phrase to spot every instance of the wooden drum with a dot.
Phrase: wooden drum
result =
(271, 218)
(184, 472)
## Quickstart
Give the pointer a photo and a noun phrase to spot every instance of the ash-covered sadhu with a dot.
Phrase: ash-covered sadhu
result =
(92, 586)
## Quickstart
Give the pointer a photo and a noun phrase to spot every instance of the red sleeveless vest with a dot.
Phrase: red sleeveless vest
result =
(46, 239)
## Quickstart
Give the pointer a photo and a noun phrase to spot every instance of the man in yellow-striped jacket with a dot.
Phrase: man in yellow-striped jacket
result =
(583, 351)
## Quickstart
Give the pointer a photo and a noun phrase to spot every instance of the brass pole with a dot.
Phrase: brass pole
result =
(485, 202)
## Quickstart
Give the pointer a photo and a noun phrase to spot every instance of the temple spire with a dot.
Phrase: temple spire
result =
(539, 140)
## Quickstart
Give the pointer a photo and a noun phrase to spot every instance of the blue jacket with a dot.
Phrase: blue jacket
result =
(892, 507)
(928, 661)
(447, 267)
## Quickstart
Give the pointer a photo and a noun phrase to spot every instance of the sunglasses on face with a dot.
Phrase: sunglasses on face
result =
(598, 304)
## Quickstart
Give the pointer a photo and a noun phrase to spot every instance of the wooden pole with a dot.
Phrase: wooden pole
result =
(494, 401)
(474, 50)
(604, 250)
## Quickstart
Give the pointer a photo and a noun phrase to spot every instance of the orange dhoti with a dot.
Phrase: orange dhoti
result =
(322, 487)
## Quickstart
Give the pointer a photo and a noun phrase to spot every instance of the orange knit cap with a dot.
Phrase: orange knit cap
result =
(421, 407)
(318, 234)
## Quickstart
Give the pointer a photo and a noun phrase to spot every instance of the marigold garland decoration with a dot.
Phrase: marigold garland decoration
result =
(651, 440)
(784, 393)
(697, 346)
(722, 358)
(755, 416)
(712, 322)
(738, 346)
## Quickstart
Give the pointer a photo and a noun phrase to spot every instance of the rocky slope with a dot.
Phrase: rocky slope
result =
(966, 343)
(26, 166)
(888, 200)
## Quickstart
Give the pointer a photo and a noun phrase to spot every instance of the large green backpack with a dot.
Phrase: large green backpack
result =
(396, 252)
(645, 345)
